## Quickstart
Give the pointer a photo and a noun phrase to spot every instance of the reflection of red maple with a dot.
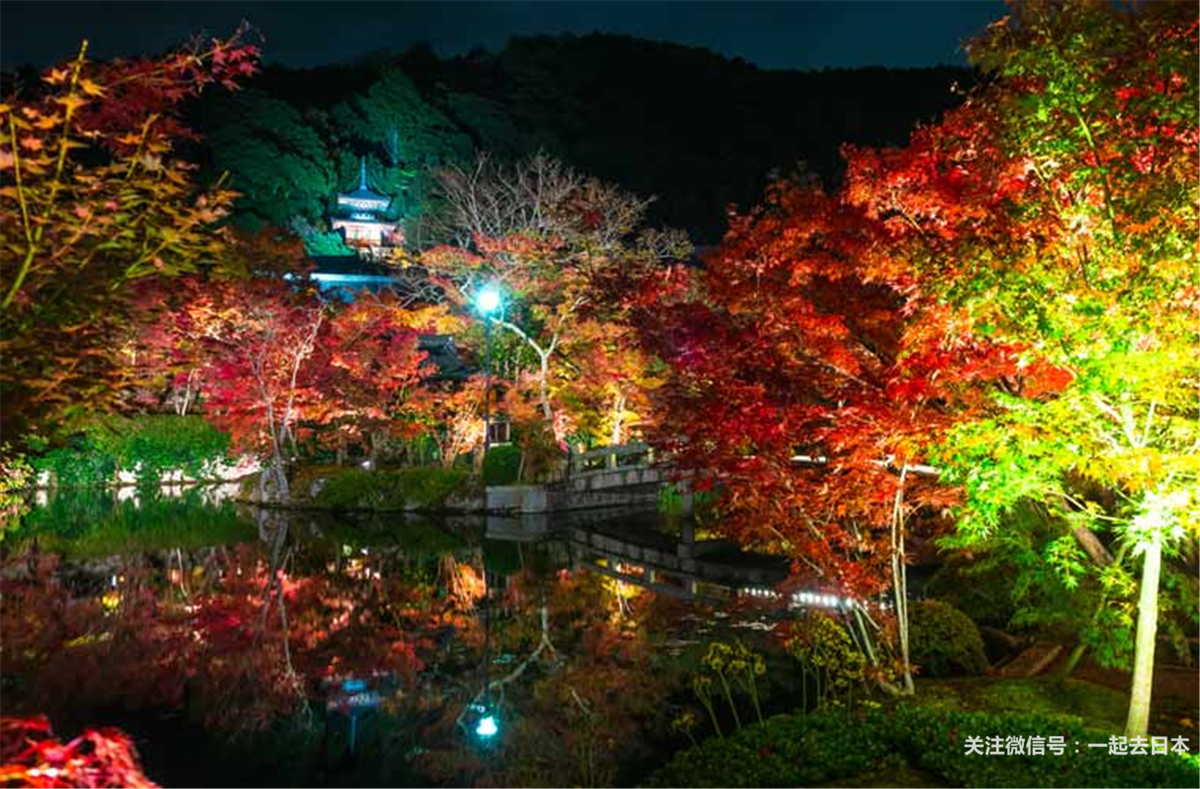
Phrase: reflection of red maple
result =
(241, 646)
(30, 755)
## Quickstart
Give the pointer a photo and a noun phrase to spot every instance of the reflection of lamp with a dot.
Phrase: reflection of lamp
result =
(487, 301)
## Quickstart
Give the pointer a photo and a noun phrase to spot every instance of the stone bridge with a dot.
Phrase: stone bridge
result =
(617, 476)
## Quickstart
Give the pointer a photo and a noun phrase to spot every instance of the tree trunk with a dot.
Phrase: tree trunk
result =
(900, 580)
(1138, 723)
(1092, 546)
(618, 411)
(375, 439)
(544, 394)
(272, 481)
(1072, 661)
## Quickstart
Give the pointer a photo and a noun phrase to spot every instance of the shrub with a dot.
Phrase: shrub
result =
(821, 748)
(502, 465)
(152, 444)
(540, 450)
(82, 462)
(164, 442)
(390, 490)
(786, 750)
(983, 590)
(944, 641)
(430, 486)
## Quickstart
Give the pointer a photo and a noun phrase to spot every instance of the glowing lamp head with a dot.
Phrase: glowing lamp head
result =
(487, 726)
(487, 300)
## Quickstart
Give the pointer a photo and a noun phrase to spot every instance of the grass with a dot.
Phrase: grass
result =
(1099, 706)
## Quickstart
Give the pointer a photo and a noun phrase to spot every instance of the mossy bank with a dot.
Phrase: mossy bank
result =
(418, 489)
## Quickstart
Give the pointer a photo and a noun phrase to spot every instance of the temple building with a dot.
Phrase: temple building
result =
(365, 220)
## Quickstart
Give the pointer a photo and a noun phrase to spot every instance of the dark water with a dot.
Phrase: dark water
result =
(258, 647)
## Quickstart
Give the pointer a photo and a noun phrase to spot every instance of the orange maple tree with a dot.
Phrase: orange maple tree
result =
(96, 195)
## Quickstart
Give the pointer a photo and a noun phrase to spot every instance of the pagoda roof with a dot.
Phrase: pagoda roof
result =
(382, 215)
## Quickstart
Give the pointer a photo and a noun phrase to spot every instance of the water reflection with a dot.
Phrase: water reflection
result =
(315, 649)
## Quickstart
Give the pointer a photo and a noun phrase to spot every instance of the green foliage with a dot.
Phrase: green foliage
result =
(982, 591)
(821, 748)
(1101, 707)
(1014, 581)
(424, 488)
(150, 444)
(944, 641)
(163, 442)
(485, 120)
(319, 243)
(404, 138)
(670, 501)
(89, 524)
(786, 750)
(81, 462)
(275, 156)
(502, 465)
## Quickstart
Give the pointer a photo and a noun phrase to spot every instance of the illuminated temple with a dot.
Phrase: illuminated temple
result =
(365, 219)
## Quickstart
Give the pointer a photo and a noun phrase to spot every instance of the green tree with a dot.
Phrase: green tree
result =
(277, 160)
(403, 137)
(1056, 212)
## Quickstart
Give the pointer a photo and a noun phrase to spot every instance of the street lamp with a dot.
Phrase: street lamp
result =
(487, 727)
(487, 301)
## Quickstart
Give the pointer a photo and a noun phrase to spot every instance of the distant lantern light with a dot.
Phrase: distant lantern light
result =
(487, 300)
(487, 727)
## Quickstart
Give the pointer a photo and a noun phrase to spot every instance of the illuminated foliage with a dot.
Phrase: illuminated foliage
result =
(96, 196)
(555, 242)
(1009, 301)
(1057, 211)
(275, 159)
(783, 347)
(268, 360)
(828, 657)
(30, 756)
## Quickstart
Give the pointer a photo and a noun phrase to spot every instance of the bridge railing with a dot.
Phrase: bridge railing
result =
(634, 453)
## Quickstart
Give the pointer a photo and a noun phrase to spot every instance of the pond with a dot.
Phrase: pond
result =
(243, 646)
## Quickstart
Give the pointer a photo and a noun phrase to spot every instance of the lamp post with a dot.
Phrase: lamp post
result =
(487, 301)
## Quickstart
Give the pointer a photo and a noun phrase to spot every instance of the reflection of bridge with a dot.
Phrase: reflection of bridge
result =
(630, 550)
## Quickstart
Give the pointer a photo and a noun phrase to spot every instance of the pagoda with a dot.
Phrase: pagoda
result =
(363, 216)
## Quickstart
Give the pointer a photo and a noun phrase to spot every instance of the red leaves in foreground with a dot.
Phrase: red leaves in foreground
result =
(30, 755)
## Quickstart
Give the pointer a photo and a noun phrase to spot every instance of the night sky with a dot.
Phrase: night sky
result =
(800, 35)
